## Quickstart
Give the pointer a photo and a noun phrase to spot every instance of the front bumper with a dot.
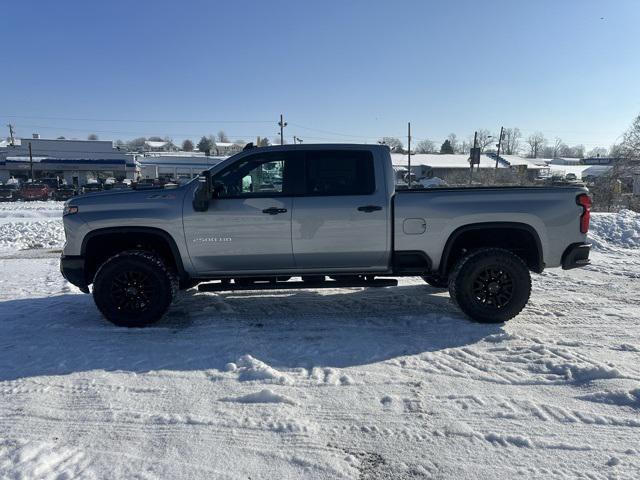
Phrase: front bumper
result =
(576, 255)
(72, 268)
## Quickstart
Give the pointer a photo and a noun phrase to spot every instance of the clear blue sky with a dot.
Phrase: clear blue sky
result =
(344, 70)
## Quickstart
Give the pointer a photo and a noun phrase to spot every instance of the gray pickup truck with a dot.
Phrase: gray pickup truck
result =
(329, 214)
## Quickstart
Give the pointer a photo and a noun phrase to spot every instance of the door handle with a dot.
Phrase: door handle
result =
(274, 210)
(369, 208)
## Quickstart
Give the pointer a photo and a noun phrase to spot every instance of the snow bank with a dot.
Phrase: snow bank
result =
(620, 229)
(26, 225)
(35, 234)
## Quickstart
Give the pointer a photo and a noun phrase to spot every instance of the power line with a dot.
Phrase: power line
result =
(130, 120)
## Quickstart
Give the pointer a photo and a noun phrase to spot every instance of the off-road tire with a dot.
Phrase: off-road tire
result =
(436, 282)
(488, 270)
(154, 287)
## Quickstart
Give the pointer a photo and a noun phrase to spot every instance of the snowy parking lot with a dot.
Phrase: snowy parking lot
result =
(341, 383)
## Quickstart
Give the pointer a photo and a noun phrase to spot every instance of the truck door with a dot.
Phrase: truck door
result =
(248, 224)
(341, 219)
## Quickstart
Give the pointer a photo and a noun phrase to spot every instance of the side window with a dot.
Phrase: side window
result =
(257, 176)
(339, 172)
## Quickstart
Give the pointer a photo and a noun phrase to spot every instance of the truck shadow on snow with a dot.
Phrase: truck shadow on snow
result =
(287, 329)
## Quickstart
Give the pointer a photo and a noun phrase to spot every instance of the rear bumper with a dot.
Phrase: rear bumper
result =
(576, 255)
(72, 268)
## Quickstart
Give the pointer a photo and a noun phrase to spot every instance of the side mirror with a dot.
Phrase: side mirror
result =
(202, 194)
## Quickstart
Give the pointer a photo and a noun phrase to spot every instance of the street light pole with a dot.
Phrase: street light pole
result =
(282, 124)
(475, 145)
(31, 162)
(409, 151)
(499, 145)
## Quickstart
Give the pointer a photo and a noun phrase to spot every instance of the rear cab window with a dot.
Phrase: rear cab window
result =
(339, 172)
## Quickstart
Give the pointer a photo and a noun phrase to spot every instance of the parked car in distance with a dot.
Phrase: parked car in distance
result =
(337, 214)
(65, 192)
(35, 191)
(571, 177)
(109, 183)
(10, 192)
(52, 183)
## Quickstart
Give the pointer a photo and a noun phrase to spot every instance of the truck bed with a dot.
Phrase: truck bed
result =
(425, 219)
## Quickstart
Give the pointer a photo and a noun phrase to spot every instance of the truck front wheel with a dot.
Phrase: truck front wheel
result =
(490, 285)
(134, 288)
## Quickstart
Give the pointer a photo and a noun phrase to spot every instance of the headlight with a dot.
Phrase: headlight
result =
(69, 210)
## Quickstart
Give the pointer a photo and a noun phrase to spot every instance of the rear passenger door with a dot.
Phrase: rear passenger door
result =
(340, 218)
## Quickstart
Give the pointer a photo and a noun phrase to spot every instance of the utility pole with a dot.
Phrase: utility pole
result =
(499, 145)
(475, 145)
(409, 150)
(282, 124)
(11, 133)
(31, 161)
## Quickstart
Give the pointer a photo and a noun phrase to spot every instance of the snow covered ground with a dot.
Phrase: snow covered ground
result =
(344, 383)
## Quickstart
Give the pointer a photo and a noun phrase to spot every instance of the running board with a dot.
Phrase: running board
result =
(225, 287)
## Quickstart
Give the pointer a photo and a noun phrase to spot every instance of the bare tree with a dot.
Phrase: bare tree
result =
(465, 147)
(394, 144)
(484, 139)
(187, 145)
(536, 142)
(426, 146)
(222, 137)
(598, 152)
(92, 136)
(630, 146)
(453, 140)
(137, 144)
(577, 151)
(511, 142)
(557, 147)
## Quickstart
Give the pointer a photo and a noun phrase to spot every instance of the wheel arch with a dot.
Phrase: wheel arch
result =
(100, 244)
(523, 240)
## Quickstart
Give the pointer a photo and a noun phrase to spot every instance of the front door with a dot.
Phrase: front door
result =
(247, 228)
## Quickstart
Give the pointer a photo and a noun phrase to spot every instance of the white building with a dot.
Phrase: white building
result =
(180, 166)
(449, 165)
(75, 161)
(226, 149)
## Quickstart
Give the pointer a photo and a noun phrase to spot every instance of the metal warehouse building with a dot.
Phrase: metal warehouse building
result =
(75, 161)
(180, 166)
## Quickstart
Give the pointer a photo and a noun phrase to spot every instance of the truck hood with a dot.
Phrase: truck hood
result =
(125, 202)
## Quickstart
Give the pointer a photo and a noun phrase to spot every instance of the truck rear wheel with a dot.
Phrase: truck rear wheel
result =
(490, 285)
(134, 288)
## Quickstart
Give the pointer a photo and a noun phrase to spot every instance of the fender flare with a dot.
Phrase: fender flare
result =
(163, 234)
(538, 267)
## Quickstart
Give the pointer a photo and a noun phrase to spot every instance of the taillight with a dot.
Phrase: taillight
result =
(584, 201)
